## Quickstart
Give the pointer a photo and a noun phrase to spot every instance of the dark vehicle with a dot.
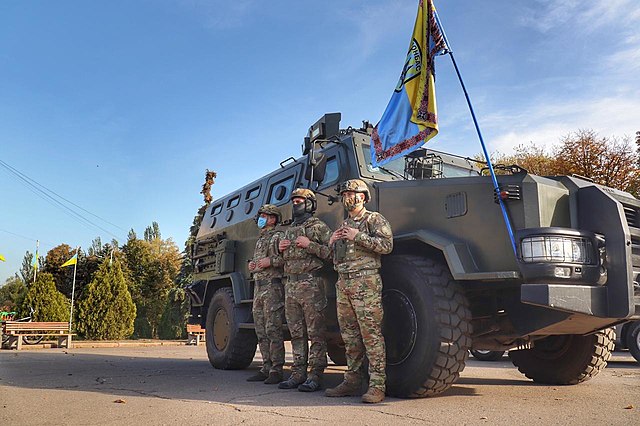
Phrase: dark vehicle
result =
(628, 337)
(452, 282)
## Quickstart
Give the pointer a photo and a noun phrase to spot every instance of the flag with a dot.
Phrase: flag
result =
(410, 119)
(72, 261)
(35, 261)
(2, 258)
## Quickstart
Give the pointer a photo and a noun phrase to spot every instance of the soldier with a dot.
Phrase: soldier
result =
(357, 246)
(304, 247)
(268, 296)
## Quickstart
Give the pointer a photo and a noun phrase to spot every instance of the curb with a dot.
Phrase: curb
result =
(78, 344)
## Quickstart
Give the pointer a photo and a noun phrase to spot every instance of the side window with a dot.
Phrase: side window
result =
(252, 193)
(233, 202)
(216, 209)
(280, 191)
(332, 172)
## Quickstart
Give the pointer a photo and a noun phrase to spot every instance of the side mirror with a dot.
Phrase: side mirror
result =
(316, 167)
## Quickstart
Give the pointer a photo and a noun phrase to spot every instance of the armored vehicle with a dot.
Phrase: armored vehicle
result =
(453, 281)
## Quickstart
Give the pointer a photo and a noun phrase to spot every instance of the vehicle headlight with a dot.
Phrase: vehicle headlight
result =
(554, 248)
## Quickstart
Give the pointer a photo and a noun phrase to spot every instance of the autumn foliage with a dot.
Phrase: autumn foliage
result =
(611, 161)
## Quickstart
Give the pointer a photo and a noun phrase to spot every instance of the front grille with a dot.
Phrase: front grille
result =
(632, 216)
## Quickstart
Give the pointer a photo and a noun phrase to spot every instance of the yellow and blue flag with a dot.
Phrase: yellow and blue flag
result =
(72, 261)
(410, 119)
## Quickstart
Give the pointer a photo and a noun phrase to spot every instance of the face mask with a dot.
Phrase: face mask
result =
(351, 203)
(262, 222)
(299, 209)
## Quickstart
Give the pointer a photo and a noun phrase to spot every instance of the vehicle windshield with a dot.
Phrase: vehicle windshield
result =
(445, 165)
(392, 170)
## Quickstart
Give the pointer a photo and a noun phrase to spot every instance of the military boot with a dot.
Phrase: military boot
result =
(292, 383)
(258, 377)
(311, 385)
(373, 396)
(274, 378)
(346, 388)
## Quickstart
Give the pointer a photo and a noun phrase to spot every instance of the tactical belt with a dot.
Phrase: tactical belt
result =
(269, 281)
(300, 277)
(358, 274)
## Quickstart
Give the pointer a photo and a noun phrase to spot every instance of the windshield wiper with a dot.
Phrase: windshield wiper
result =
(392, 172)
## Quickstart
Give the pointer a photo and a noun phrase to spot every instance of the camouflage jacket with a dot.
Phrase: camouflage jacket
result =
(373, 240)
(300, 260)
(267, 246)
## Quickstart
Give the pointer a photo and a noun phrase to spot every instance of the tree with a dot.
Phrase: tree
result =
(26, 270)
(153, 265)
(62, 276)
(12, 294)
(47, 302)
(152, 232)
(107, 310)
(532, 158)
(609, 162)
(173, 322)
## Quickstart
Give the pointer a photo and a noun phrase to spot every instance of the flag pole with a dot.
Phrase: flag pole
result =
(73, 287)
(35, 265)
(496, 187)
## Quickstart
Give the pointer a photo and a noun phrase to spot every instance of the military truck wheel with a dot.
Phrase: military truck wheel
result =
(228, 346)
(426, 326)
(633, 339)
(337, 354)
(565, 359)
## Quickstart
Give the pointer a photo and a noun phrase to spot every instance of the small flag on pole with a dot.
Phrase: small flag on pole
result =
(72, 261)
(410, 119)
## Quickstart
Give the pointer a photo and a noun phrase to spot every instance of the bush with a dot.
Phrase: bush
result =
(47, 302)
(106, 310)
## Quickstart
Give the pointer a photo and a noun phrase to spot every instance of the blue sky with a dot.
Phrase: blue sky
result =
(120, 106)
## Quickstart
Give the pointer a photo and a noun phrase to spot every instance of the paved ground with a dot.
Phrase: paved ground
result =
(175, 384)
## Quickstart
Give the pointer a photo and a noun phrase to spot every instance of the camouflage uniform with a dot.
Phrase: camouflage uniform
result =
(268, 302)
(359, 295)
(305, 297)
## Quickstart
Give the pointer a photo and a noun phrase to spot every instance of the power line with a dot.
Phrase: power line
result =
(46, 243)
(35, 187)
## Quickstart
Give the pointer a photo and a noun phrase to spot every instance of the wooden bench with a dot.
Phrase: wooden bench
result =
(17, 329)
(195, 334)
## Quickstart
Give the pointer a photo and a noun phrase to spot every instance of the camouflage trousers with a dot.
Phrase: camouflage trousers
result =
(305, 303)
(359, 304)
(268, 317)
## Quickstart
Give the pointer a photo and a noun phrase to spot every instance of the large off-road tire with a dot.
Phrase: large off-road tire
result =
(427, 326)
(482, 355)
(228, 346)
(565, 359)
(633, 339)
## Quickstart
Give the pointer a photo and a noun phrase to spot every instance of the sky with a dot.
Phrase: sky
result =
(120, 106)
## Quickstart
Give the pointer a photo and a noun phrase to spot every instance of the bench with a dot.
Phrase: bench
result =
(17, 329)
(195, 334)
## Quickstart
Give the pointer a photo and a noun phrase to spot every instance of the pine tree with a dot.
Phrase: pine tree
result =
(107, 310)
(47, 302)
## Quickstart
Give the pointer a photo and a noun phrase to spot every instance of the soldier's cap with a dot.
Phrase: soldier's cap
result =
(272, 210)
(355, 185)
(307, 194)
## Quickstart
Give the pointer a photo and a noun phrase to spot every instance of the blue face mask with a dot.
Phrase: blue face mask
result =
(262, 222)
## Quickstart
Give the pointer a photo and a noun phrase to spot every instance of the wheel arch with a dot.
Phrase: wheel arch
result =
(235, 281)
(455, 254)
